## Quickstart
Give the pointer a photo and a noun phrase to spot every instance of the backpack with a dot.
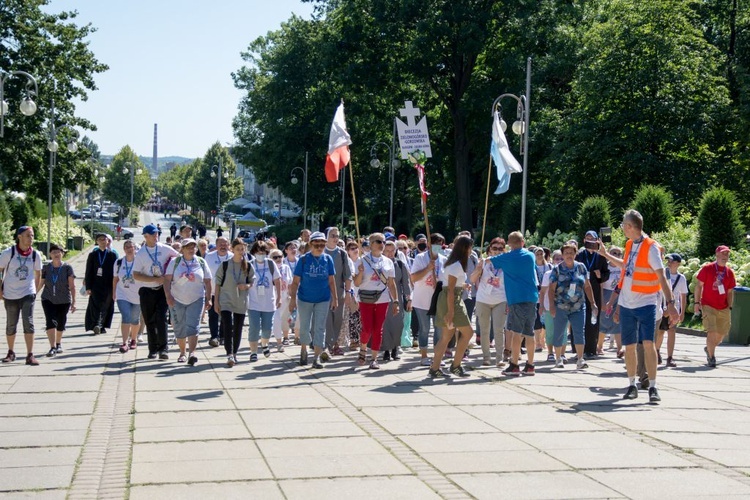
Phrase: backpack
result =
(13, 253)
(224, 267)
(177, 263)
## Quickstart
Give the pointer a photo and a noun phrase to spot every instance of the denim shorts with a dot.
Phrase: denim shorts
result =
(186, 318)
(638, 325)
(131, 313)
(261, 324)
(521, 318)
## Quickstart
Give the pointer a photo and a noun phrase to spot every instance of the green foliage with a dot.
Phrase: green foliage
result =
(555, 218)
(57, 52)
(553, 241)
(20, 211)
(286, 232)
(656, 206)
(117, 181)
(57, 231)
(510, 215)
(718, 222)
(594, 214)
(204, 186)
(681, 238)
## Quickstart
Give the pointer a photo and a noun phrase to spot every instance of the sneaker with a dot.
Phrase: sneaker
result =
(621, 354)
(528, 370)
(192, 359)
(439, 373)
(163, 355)
(466, 356)
(182, 358)
(415, 343)
(51, 353)
(658, 358)
(581, 365)
(97, 330)
(316, 364)
(123, 349)
(550, 358)
(448, 354)
(103, 331)
(500, 363)
(285, 341)
(374, 365)
(152, 355)
(708, 358)
(253, 357)
(133, 344)
(386, 356)
(632, 393)
(11, 356)
(303, 358)
(564, 359)
(395, 356)
(230, 361)
(513, 370)
(337, 351)
(486, 362)
(280, 347)
(140, 339)
(31, 360)
(59, 349)
(653, 395)
(325, 357)
(671, 363)
(538, 349)
(712, 362)
(266, 351)
(559, 363)
(459, 371)
(425, 362)
(214, 342)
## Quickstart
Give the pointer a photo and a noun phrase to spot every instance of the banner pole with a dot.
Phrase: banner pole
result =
(486, 202)
(354, 198)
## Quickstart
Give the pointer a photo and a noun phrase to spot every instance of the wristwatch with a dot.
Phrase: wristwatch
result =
(671, 302)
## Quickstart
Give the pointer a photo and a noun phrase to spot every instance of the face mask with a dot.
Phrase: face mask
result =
(437, 249)
(260, 257)
(421, 247)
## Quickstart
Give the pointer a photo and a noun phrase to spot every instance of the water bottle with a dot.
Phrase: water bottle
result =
(594, 316)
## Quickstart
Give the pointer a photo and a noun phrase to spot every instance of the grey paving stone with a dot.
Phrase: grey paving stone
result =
(533, 485)
(35, 477)
(195, 451)
(157, 401)
(278, 397)
(285, 423)
(239, 490)
(426, 420)
(28, 457)
(399, 488)
(672, 483)
(199, 471)
(58, 383)
(43, 438)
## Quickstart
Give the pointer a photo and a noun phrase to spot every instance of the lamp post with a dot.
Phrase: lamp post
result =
(101, 182)
(304, 188)
(520, 127)
(27, 107)
(53, 146)
(393, 162)
(130, 168)
(217, 173)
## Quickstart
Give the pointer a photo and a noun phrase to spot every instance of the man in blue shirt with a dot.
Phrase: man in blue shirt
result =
(519, 269)
(309, 293)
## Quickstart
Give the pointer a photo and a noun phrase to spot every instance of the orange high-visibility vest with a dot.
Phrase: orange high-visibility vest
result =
(645, 279)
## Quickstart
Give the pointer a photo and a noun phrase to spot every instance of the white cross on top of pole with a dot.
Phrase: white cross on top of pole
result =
(410, 113)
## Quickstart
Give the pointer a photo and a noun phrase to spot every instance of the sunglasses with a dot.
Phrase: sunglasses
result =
(558, 259)
(497, 249)
(318, 245)
(277, 257)
(616, 254)
(379, 242)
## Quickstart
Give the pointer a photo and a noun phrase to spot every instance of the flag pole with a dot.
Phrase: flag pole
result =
(486, 201)
(354, 198)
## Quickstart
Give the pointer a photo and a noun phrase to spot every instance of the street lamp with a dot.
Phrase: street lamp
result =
(27, 107)
(375, 163)
(217, 174)
(520, 127)
(304, 187)
(53, 147)
(129, 167)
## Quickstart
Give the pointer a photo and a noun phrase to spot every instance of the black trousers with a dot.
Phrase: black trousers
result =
(213, 321)
(231, 324)
(154, 309)
(100, 310)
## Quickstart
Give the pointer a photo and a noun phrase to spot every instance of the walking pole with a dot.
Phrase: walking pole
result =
(486, 201)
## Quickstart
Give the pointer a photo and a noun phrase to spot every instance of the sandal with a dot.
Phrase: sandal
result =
(181, 359)
(361, 359)
(51, 352)
(266, 351)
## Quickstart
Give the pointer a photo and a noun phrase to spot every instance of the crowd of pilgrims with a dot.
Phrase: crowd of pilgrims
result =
(378, 297)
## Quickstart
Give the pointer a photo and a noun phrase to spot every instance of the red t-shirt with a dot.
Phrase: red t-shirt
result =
(711, 275)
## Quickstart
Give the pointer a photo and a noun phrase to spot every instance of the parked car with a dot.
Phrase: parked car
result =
(74, 214)
(105, 215)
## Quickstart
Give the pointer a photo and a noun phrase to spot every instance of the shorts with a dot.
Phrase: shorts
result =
(638, 325)
(716, 320)
(460, 316)
(521, 318)
(55, 315)
(538, 324)
(131, 313)
(186, 318)
(23, 307)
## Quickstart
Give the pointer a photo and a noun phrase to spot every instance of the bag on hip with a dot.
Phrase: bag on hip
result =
(370, 296)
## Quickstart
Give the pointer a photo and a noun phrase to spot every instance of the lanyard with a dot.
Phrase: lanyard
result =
(562, 268)
(492, 269)
(55, 275)
(102, 257)
(720, 276)
(261, 277)
(630, 266)
(155, 257)
(22, 263)
(189, 266)
(590, 262)
(128, 270)
(239, 275)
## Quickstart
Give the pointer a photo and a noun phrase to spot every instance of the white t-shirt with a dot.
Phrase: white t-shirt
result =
(127, 286)
(187, 279)
(545, 283)
(424, 288)
(151, 260)
(265, 300)
(678, 290)
(286, 279)
(373, 268)
(614, 278)
(214, 260)
(456, 271)
(19, 277)
(491, 289)
(633, 300)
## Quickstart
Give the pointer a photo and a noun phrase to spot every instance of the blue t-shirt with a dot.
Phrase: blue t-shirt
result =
(313, 273)
(519, 268)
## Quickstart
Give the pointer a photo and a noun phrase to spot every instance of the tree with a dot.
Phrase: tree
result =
(55, 50)
(718, 222)
(656, 206)
(117, 180)
(204, 188)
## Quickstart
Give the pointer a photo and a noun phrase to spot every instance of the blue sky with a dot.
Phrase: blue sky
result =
(170, 63)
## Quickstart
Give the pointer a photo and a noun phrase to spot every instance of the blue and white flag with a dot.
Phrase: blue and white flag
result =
(505, 162)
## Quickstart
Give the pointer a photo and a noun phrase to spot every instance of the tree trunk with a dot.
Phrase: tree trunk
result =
(463, 170)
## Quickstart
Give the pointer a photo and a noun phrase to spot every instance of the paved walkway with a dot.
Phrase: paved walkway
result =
(94, 423)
